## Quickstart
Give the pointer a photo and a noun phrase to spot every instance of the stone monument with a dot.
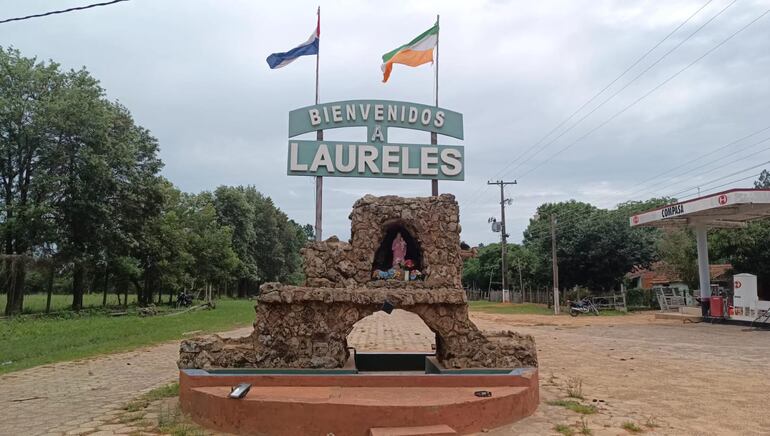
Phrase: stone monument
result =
(403, 253)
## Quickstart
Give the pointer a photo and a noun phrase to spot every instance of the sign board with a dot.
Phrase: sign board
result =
(375, 156)
(373, 113)
(354, 159)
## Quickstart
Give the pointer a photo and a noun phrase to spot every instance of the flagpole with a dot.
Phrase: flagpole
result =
(319, 181)
(434, 135)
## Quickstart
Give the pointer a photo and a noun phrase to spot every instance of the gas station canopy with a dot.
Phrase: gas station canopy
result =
(728, 209)
(722, 210)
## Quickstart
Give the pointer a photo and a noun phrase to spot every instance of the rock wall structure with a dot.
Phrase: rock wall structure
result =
(432, 221)
(307, 326)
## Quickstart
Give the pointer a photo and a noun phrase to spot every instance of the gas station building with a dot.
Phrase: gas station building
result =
(728, 209)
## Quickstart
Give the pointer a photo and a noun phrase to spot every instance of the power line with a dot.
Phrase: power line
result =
(713, 188)
(62, 11)
(590, 100)
(647, 94)
(568, 218)
(721, 178)
(668, 171)
(717, 161)
(624, 87)
(629, 68)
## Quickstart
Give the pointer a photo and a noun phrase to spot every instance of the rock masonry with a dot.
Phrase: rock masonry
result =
(307, 326)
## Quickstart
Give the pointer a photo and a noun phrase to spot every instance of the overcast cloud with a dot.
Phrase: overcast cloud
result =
(194, 73)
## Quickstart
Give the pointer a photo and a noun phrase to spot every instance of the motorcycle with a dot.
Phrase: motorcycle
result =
(184, 300)
(582, 306)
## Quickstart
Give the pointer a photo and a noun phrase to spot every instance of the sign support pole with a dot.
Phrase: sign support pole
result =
(319, 180)
(434, 135)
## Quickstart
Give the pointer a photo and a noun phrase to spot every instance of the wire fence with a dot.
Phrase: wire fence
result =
(544, 295)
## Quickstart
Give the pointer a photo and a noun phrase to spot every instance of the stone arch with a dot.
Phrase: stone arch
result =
(449, 323)
(299, 327)
(408, 330)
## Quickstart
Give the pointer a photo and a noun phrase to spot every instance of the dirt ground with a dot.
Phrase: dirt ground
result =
(641, 375)
(662, 377)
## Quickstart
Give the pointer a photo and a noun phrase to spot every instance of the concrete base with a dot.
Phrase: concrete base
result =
(307, 402)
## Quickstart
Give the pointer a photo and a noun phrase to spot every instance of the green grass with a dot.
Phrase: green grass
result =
(575, 406)
(35, 303)
(612, 312)
(509, 308)
(30, 341)
(171, 421)
(168, 391)
(631, 427)
(564, 429)
(527, 309)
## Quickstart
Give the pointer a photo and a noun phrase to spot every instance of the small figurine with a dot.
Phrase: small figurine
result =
(398, 274)
(399, 250)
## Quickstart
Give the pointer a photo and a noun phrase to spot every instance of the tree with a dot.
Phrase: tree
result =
(764, 180)
(266, 241)
(161, 249)
(81, 192)
(677, 249)
(595, 247)
(103, 174)
(210, 242)
(234, 209)
(309, 231)
(747, 249)
(27, 90)
(486, 266)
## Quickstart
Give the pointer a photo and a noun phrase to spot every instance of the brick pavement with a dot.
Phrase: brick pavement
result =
(84, 396)
(399, 331)
(79, 396)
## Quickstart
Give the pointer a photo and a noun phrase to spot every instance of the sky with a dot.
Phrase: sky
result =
(686, 118)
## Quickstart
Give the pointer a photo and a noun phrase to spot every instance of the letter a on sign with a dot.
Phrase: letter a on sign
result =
(377, 135)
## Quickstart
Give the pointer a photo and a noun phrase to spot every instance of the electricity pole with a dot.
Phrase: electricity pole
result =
(503, 235)
(521, 282)
(555, 267)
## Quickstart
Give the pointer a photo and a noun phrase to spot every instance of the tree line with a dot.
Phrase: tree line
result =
(596, 248)
(83, 201)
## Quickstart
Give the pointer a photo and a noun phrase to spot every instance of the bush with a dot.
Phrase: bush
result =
(642, 298)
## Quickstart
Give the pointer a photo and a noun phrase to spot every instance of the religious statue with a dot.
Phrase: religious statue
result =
(399, 250)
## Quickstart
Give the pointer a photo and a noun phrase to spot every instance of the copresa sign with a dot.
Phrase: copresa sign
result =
(375, 157)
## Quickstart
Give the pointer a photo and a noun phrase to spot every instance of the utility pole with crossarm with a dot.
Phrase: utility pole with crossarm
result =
(503, 235)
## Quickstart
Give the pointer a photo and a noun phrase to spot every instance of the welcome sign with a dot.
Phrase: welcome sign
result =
(375, 157)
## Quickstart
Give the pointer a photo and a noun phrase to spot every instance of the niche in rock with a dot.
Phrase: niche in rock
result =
(383, 257)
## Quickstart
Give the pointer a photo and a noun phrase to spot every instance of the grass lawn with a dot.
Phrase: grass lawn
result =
(509, 308)
(28, 341)
(35, 303)
(525, 309)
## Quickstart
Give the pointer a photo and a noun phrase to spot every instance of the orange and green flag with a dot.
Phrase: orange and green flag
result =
(417, 52)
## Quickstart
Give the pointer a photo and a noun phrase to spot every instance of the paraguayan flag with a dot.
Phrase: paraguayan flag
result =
(309, 47)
